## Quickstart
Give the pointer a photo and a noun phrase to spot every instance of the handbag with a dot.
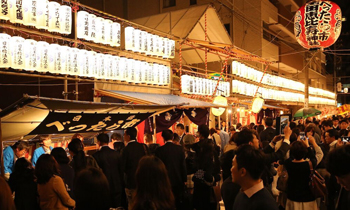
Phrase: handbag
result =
(317, 183)
(282, 181)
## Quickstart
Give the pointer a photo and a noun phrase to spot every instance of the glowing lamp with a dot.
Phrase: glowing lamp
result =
(42, 56)
(4, 10)
(167, 75)
(100, 30)
(108, 32)
(143, 72)
(91, 27)
(108, 67)
(29, 12)
(73, 62)
(65, 19)
(122, 68)
(92, 64)
(42, 14)
(54, 17)
(30, 54)
(155, 73)
(83, 25)
(17, 52)
(100, 66)
(150, 73)
(143, 45)
(55, 59)
(150, 44)
(160, 75)
(83, 63)
(16, 11)
(129, 38)
(185, 81)
(346, 90)
(318, 24)
(115, 34)
(130, 71)
(137, 70)
(155, 45)
(172, 48)
(5, 54)
(219, 100)
(257, 104)
(137, 40)
(64, 59)
(115, 68)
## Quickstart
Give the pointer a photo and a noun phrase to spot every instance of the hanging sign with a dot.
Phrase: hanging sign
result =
(56, 123)
(318, 24)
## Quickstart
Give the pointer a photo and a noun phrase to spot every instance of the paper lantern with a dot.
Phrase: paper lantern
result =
(160, 75)
(155, 70)
(29, 12)
(100, 66)
(42, 56)
(92, 64)
(115, 68)
(129, 38)
(91, 27)
(30, 54)
(346, 90)
(130, 71)
(172, 48)
(42, 14)
(65, 19)
(257, 104)
(17, 52)
(150, 45)
(5, 53)
(108, 31)
(163, 44)
(150, 73)
(65, 51)
(122, 68)
(318, 24)
(73, 62)
(155, 45)
(16, 11)
(4, 10)
(115, 34)
(83, 25)
(143, 72)
(108, 67)
(83, 63)
(143, 44)
(167, 75)
(137, 70)
(137, 40)
(219, 100)
(185, 83)
(54, 17)
(166, 48)
(55, 59)
(161, 47)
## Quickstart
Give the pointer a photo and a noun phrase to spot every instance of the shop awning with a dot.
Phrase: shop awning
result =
(190, 24)
(156, 99)
(38, 115)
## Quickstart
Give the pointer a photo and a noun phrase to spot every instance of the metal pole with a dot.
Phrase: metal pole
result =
(65, 82)
(154, 130)
(1, 154)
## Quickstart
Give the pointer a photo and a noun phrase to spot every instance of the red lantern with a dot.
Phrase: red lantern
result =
(318, 24)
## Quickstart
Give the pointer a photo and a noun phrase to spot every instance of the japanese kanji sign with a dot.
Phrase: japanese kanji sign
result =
(56, 123)
(318, 24)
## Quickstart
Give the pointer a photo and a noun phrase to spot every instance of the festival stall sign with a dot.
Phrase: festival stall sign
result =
(38, 115)
(343, 109)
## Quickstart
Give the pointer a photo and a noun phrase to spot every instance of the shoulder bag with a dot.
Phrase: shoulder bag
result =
(317, 183)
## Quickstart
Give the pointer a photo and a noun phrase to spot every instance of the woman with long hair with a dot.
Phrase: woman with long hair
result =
(153, 188)
(22, 183)
(80, 161)
(51, 188)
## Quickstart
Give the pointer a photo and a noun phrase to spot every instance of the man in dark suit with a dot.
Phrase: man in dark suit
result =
(180, 130)
(173, 157)
(267, 135)
(131, 156)
(110, 163)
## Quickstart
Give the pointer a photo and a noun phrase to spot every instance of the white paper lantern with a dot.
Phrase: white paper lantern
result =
(83, 63)
(143, 44)
(29, 12)
(172, 48)
(137, 70)
(16, 11)
(143, 72)
(150, 73)
(115, 68)
(167, 75)
(42, 56)
(100, 30)
(42, 14)
(92, 28)
(17, 52)
(130, 70)
(122, 68)
(150, 46)
(5, 53)
(55, 59)
(66, 19)
(166, 48)
(83, 25)
(30, 54)
(222, 101)
(108, 67)
(155, 73)
(101, 66)
(185, 83)
(65, 52)
(73, 62)
(54, 17)
(108, 32)
(129, 38)
(92, 64)
(162, 44)
(115, 34)
(4, 10)
(137, 40)
(155, 45)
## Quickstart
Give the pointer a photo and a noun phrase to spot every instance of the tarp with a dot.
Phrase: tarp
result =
(190, 23)
(39, 115)
(159, 99)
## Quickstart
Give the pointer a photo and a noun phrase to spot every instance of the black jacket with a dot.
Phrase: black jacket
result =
(131, 156)
(267, 134)
(110, 163)
(173, 158)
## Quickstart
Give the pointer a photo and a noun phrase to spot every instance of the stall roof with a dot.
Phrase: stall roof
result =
(160, 99)
(32, 115)
(189, 23)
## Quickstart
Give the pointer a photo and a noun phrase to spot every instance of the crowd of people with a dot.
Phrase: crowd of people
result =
(243, 167)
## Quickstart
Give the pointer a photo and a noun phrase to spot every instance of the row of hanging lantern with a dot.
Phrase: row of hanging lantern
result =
(97, 29)
(246, 72)
(250, 89)
(202, 86)
(27, 54)
(41, 14)
(321, 92)
(146, 43)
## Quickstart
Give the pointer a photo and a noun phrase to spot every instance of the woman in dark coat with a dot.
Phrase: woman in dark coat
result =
(22, 183)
